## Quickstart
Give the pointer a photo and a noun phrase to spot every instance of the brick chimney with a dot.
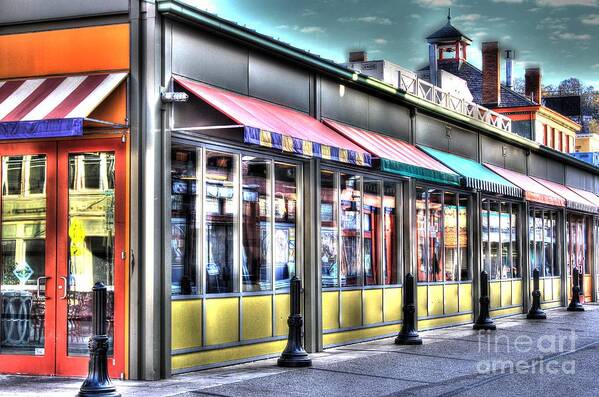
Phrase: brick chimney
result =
(532, 84)
(358, 56)
(491, 71)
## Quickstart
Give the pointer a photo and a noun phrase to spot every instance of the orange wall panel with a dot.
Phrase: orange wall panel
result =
(65, 51)
(114, 107)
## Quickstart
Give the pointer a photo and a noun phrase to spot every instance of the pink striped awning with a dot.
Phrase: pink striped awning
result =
(589, 196)
(277, 127)
(573, 200)
(48, 106)
(533, 190)
(397, 156)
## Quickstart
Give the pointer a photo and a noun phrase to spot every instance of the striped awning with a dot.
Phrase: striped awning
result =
(277, 127)
(52, 106)
(475, 175)
(589, 196)
(573, 200)
(533, 190)
(397, 156)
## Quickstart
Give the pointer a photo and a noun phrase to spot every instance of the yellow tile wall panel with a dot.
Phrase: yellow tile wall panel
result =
(506, 293)
(444, 321)
(517, 292)
(222, 320)
(186, 324)
(451, 298)
(557, 289)
(495, 294)
(351, 308)
(281, 314)
(180, 362)
(466, 297)
(422, 301)
(257, 317)
(435, 300)
(506, 312)
(330, 310)
(373, 306)
(338, 338)
(393, 304)
(588, 287)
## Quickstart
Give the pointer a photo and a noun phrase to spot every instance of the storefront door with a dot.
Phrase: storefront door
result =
(62, 224)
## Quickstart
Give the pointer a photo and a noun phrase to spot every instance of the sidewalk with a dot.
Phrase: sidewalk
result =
(555, 357)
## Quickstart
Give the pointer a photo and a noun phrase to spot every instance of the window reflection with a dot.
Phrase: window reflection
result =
(390, 265)
(351, 203)
(544, 243)
(463, 230)
(421, 261)
(450, 236)
(371, 229)
(435, 234)
(329, 237)
(286, 200)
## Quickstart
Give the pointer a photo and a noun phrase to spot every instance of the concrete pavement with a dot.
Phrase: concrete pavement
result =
(555, 357)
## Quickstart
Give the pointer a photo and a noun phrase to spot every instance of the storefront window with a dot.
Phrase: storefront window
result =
(390, 236)
(286, 200)
(450, 236)
(329, 237)
(543, 243)
(484, 220)
(256, 226)
(576, 237)
(371, 220)
(220, 210)
(358, 215)
(351, 204)
(183, 221)
(442, 236)
(514, 240)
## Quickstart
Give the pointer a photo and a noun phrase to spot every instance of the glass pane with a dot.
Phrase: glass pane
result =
(286, 204)
(220, 207)
(91, 244)
(484, 221)
(435, 242)
(515, 241)
(538, 239)
(495, 240)
(534, 263)
(450, 236)
(23, 264)
(583, 246)
(351, 203)
(390, 265)
(184, 199)
(554, 244)
(329, 237)
(463, 211)
(256, 226)
(504, 225)
(371, 229)
(421, 258)
(548, 242)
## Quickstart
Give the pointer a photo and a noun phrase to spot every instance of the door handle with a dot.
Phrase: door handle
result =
(64, 295)
(38, 285)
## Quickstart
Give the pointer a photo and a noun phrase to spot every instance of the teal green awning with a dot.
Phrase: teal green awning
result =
(476, 175)
(397, 156)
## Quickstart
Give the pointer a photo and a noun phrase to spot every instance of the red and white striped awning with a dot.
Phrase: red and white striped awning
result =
(55, 97)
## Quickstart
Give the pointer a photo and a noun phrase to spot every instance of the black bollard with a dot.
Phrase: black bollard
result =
(408, 334)
(575, 305)
(98, 381)
(535, 312)
(294, 354)
(484, 321)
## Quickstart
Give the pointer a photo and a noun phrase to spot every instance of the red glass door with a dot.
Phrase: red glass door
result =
(27, 258)
(90, 248)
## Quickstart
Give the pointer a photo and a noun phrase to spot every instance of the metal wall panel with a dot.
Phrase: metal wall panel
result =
(208, 58)
(556, 171)
(515, 158)
(23, 11)
(389, 118)
(464, 143)
(537, 166)
(579, 178)
(431, 132)
(344, 104)
(491, 151)
(277, 82)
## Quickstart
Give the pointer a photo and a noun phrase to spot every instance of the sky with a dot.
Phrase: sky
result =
(560, 36)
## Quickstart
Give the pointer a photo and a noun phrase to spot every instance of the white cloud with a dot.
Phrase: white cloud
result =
(595, 66)
(415, 16)
(570, 36)
(564, 3)
(434, 3)
(308, 12)
(312, 29)
(366, 19)
(508, 1)
(380, 40)
(467, 17)
(592, 19)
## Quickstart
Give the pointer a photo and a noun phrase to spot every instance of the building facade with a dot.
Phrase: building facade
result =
(194, 166)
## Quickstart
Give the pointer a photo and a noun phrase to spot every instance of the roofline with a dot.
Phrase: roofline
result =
(544, 111)
(180, 10)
